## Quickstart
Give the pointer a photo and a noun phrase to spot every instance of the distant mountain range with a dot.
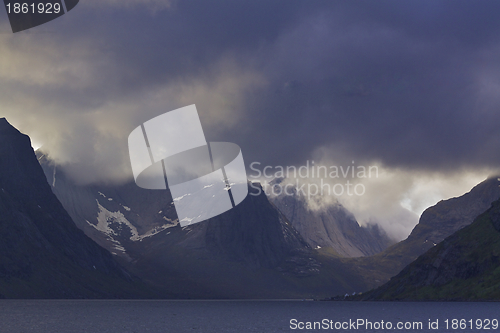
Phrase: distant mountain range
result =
(260, 249)
(275, 249)
(254, 243)
(42, 253)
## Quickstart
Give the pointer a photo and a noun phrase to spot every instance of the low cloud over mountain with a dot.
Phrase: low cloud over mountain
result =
(411, 86)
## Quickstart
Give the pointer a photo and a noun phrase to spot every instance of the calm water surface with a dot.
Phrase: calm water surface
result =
(125, 316)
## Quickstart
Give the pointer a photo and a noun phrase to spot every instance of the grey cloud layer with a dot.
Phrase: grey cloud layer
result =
(412, 85)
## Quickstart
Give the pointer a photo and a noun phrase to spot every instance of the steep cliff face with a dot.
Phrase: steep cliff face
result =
(42, 252)
(333, 227)
(465, 266)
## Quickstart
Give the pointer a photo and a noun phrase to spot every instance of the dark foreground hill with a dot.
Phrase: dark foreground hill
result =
(42, 253)
(465, 266)
(435, 224)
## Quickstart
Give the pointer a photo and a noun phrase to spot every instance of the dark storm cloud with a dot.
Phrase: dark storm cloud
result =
(411, 84)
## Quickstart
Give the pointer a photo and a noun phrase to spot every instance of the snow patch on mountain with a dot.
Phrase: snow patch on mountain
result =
(109, 232)
(106, 218)
(179, 198)
(157, 230)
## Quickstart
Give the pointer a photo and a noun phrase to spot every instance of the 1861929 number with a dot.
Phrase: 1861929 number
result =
(41, 8)
(478, 324)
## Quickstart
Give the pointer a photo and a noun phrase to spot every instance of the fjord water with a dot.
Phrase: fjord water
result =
(123, 316)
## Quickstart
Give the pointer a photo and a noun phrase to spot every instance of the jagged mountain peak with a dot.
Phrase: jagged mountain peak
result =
(7, 129)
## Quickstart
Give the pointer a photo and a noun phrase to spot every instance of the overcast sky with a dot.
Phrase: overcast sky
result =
(410, 86)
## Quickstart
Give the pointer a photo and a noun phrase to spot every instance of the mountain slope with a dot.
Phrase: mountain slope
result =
(435, 224)
(250, 251)
(465, 266)
(42, 253)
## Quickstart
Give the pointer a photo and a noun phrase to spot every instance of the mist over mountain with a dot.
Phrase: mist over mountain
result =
(448, 216)
(407, 86)
(332, 227)
(255, 249)
(119, 215)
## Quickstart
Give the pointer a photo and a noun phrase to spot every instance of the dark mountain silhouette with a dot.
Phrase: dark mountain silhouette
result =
(42, 253)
